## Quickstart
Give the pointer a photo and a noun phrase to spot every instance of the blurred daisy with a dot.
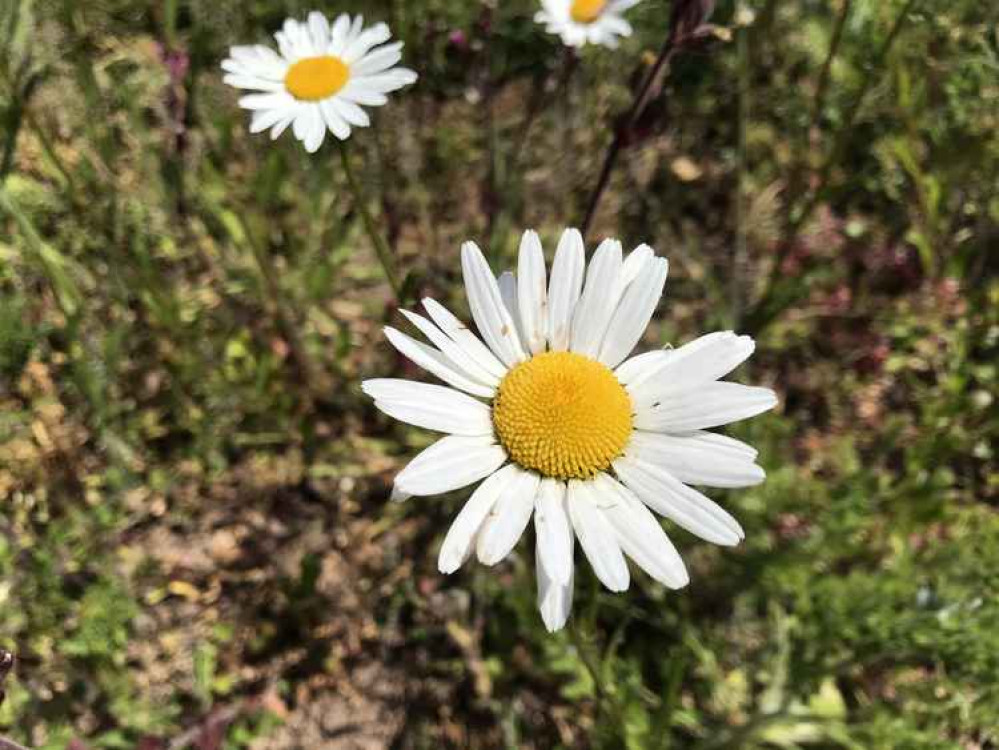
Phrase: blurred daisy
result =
(320, 79)
(581, 22)
(564, 427)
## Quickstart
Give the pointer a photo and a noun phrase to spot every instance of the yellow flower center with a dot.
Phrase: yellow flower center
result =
(312, 79)
(563, 415)
(586, 11)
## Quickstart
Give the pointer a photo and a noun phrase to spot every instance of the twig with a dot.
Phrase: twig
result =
(624, 131)
(685, 22)
(218, 719)
(823, 84)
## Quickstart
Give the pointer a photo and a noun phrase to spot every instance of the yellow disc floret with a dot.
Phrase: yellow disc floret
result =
(563, 415)
(586, 11)
(312, 79)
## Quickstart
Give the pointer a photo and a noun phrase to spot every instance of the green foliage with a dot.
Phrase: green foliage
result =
(192, 515)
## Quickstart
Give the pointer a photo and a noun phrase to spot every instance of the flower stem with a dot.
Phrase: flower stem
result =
(586, 658)
(280, 310)
(624, 131)
(607, 703)
(381, 246)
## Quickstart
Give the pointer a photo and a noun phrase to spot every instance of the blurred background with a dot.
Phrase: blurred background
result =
(196, 548)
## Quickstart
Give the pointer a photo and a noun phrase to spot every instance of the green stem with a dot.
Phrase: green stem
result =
(20, 99)
(381, 246)
(55, 266)
(823, 85)
(624, 131)
(588, 663)
(278, 310)
(607, 704)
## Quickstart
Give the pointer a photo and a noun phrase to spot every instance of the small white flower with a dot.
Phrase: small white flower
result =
(581, 22)
(566, 429)
(320, 79)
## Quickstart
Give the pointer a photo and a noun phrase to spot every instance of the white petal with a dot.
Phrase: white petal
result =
(596, 537)
(449, 464)
(462, 534)
(614, 26)
(283, 124)
(508, 519)
(633, 314)
(286, 47)
(276, 100)
(686, 506)
(337, 125)
(532, 295)
(564, 287)
(319, 28)
(724, 443)
(490, 314)
(453, 351)
(262, 120)
(707, 358)
(553, 531)
(696, 458)
(508, 293)
(702, 406)
(338, 34)
(640, 535)
(355, 29)
(315, 128)
(299, 126)
(350, 112)
(636, 367)
(554, 599)
(377, 61)
(574, 36)
(243, 81)
(433, 407)
(256, 60)
(358, 93)
(398, 496)
(595, 306)
(299, 38)
(364, 41)
(390, 80)
(467, 340)
(636, 264)
(436, 363)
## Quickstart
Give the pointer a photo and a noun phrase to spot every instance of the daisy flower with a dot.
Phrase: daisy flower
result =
(319, 78)
(564, 427)
(581, 22)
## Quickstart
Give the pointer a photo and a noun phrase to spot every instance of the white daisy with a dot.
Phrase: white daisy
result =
(320, 79)
(564, 427)
(581, 22)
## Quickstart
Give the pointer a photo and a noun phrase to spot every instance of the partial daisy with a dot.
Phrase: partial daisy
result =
(319, 78)
(564, 427)
(581, 22)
